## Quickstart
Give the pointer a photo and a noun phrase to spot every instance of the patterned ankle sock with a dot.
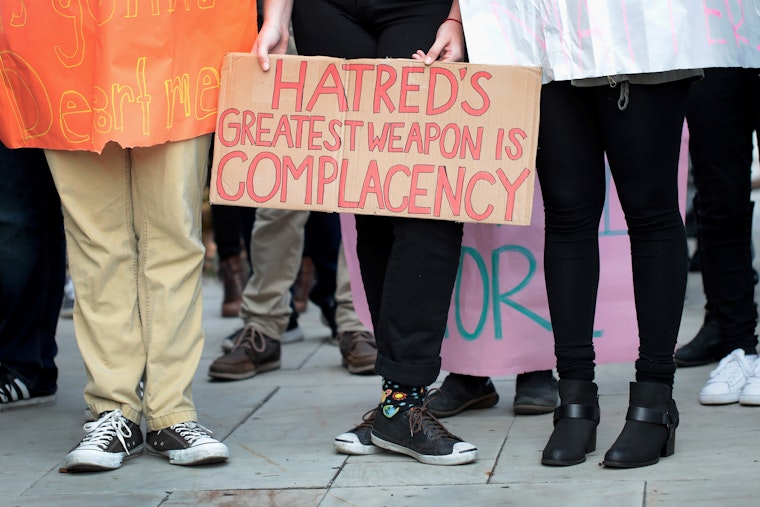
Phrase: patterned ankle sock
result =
(396, 398)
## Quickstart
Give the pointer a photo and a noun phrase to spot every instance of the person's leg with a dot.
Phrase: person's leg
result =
(643, 145)
(167, 191)
(411, 301)
(276, 250)
(32, 264)
(95, 191)
(646, 179)
(357, 343)
(570, 168)
(321, 244)
(720, 142)
(233, 270)
(408, 265)
(96, 195)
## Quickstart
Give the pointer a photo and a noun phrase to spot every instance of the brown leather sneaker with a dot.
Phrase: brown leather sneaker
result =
(252, 353)
(359, 351)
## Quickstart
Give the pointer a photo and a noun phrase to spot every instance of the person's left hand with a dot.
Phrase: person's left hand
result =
(448, 45)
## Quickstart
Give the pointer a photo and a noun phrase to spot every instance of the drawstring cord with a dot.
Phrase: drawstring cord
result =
(624, 92)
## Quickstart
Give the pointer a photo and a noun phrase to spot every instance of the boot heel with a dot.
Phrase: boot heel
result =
(591, 446)
(669, 447)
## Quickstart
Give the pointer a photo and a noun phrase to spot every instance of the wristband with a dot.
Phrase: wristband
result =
(453, 19)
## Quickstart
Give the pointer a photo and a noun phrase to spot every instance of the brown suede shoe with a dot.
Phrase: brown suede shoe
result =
(253, 352)
(359, 351)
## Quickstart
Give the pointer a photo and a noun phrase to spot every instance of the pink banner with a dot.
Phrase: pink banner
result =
(499, 320)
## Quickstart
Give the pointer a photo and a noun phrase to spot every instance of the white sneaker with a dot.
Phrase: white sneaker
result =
(728, 380)
(751, 393)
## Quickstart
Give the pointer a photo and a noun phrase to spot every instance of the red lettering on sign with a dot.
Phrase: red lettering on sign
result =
(511, 189)
(280, 85)
(220, 171)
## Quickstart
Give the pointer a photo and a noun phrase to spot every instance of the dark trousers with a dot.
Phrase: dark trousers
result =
(408, 265)
(322, 239)
(232, 230)
(32, 267)
(723, 113)
(578, 125)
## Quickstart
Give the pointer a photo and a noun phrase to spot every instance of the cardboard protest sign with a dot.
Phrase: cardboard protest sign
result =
(75, 75)
(575, 39)
(452, 141)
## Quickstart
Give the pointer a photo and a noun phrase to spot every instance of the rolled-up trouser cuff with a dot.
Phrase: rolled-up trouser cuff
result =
(415, 375)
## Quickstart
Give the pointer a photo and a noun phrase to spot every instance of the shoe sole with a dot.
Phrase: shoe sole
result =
(242, 376)
(532, 409)
(487, 401)
(359, 369)
(457, 457)
(36, 401)
(354, 448)
(719, 399)
(561, 463)
(212, 453)
(102, 461)
(619, 464)
(750, 400)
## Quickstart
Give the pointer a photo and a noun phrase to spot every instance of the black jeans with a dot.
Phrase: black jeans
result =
(32, 267)
(723, 113)
(578, 125)
(408, 265)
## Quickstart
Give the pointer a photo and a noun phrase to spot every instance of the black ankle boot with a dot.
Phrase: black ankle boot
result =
(575, 422)
(650, 427)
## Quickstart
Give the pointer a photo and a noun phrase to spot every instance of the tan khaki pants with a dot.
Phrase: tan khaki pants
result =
(277, 241)
(133, 229)
(276, 250)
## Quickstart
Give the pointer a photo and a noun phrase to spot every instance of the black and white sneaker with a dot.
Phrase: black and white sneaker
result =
(187, 443)
(109, 441)
(358, 441)
(417, 433)
(14, 392)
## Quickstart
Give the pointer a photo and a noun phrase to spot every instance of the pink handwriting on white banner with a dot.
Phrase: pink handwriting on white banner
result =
(573, 39)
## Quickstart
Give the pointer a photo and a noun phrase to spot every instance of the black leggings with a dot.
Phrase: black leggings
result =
(408, 265)
(723, 113)
(578, 125)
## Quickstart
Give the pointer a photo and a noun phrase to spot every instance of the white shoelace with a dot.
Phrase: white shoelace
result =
(100, 433)
(732, 367)
(192, 431)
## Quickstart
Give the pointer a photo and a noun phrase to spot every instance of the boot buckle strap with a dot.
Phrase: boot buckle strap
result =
(576, 411)
(648, 415)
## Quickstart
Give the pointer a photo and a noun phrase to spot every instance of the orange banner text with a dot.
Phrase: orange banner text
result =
(80, 73)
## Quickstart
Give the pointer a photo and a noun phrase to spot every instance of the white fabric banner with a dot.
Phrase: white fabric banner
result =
(574, 39)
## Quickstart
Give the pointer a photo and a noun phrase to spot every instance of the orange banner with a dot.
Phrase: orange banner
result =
(77, 74)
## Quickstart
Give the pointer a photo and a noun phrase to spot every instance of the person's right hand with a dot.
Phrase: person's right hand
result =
(272, 39)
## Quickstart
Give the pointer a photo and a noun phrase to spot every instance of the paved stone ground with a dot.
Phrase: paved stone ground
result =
(279, 427)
